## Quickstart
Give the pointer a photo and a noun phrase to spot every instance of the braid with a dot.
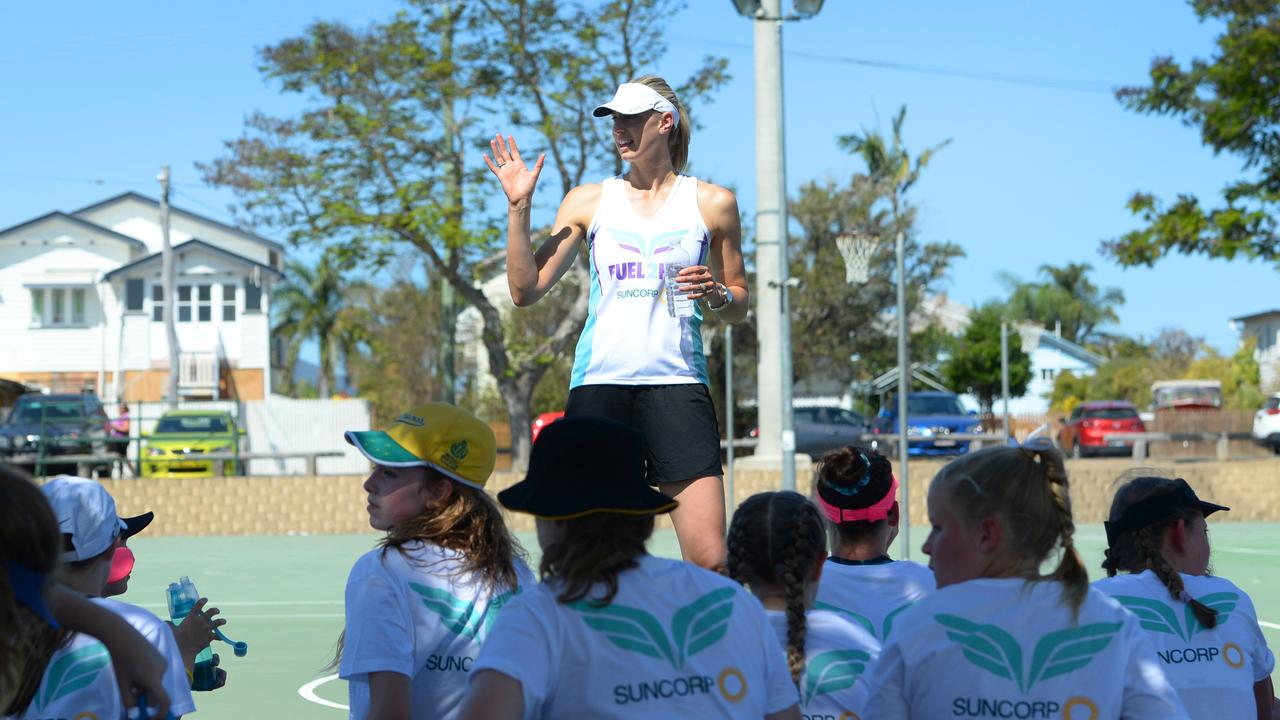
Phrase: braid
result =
(774, 539)
(1146, 543)
(1070, 571)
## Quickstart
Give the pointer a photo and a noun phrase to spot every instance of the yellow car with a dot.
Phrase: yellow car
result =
(181, 439)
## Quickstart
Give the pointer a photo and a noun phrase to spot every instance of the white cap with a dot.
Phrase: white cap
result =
(635, 98)
(86, 512)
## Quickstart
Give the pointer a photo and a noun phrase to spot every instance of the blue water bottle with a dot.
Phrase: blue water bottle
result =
(182, 597)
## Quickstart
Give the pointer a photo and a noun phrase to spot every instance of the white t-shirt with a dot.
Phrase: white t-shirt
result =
(415, 613)
(1007, 648)
(629, 337)
(677, 641)
(838, 657)
(78, 683)
(160, 635)
(1213, 669)
(872, 594)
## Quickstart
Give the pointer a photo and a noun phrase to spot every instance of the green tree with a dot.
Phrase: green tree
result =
(377, 163)
(1234, 99)
(975, 365)
(309, 305)
(835, 320)
(1066, 296)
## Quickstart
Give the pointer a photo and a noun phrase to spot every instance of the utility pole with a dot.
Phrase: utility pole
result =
(1004, 375)
(904, 387)
(170, 298)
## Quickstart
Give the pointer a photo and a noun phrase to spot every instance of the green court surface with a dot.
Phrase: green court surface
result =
(283, 596)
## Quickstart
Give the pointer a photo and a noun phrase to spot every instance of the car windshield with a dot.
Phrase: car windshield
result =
(1272, 403)
(34, 412)
(934, 405)
(1111, 413)
(192, 424)
(828, 416)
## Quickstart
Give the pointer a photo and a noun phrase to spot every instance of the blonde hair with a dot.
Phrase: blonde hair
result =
(774, 539)
(682, 133)
(28, 537)
(1026, 489)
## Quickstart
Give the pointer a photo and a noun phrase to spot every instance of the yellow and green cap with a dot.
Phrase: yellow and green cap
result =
(436, 435)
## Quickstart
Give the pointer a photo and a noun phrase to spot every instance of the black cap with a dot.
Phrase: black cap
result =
(136, 524)
(585, 465)
(1156, 508)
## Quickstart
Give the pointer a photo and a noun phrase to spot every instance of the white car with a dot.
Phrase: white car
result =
(1266, 423)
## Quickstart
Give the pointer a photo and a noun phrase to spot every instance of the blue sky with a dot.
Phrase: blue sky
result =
(1041, 162)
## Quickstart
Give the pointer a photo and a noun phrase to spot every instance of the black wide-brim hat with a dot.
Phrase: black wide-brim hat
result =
(1157, 508)
(136, 524)
(586, 465)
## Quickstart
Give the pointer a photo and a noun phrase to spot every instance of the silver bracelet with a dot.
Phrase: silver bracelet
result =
(728, 300)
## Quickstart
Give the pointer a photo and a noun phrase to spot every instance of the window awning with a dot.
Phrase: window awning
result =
(61, 278)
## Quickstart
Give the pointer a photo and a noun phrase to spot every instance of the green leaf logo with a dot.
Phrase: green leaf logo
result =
(865, 622)
(71, 672)
(1060, 652)
(831, 671)
(694, 627)
(1222, 603)
(1152, 615)
(460, 616)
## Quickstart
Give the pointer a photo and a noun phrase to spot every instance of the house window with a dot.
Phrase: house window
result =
(252, 297)
(228, 303)
(133, 294)
(273, 259)
(58, 307)
(184, 303)
(204, 303)
(157, 303)
(1047, 374)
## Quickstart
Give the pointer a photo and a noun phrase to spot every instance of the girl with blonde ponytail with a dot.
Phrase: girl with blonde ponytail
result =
(1204, 628)
(664, 250)
(777, 548)
(999, 638)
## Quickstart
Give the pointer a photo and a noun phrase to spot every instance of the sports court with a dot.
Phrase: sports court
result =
(283, 596)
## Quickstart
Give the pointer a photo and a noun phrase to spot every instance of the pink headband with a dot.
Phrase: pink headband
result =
(878, 511)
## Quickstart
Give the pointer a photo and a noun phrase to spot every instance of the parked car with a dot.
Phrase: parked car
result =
(1266, 424)
(935, 415)
(41, 427)
(1086, 432)
(823, 428)
(181, 437)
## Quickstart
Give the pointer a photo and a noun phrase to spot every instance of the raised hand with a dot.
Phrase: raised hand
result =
(518, 181)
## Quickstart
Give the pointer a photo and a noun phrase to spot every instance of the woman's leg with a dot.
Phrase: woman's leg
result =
(699, 520)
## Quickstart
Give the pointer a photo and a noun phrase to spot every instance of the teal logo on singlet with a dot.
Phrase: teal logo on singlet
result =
(881, 633)
(462, 617)
(694, 627)
(73, 671)
(1057, 653)
(832, 671)
(1159, 617)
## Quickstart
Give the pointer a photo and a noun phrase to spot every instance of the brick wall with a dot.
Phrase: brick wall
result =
(335, 504)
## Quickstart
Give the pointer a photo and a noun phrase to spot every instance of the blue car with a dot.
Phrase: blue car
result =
(934, 415)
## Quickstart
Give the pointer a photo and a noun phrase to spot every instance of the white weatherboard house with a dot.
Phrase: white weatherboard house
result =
(82, 303)
(1264, 327)
(1051, 355)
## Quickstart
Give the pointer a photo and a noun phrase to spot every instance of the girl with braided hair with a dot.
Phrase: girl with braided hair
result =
(999, 638)
(777, 548)
(1204, 628)
(856, 490)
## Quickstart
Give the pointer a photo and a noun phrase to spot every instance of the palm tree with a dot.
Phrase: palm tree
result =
(1067, 296)
(310, 304)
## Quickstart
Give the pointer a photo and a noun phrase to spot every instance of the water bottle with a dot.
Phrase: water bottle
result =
(182, 597)
(678, 304)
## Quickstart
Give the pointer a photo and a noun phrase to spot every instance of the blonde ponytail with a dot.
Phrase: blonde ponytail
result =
(682, 133)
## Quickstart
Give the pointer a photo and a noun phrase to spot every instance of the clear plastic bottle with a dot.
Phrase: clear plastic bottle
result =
(678, 304)
(183, 596)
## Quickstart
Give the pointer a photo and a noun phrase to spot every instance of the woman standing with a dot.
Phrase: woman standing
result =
(638, 360)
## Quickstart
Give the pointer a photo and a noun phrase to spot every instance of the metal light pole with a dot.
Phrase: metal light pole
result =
(904, 370)
(773, 326)
(1004, 375)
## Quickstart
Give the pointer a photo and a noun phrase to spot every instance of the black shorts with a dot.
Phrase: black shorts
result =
(678, 422)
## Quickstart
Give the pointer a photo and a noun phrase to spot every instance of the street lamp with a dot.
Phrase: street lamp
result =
(773, 327)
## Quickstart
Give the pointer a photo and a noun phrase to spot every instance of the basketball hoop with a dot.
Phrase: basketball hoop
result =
(856, 249)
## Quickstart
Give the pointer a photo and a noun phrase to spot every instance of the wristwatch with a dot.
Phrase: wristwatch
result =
(728, 299)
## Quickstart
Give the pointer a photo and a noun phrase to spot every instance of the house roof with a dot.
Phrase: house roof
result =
(138, 197)
(1033, 333)
(1255, 316)
(155, 258)
(80, 222)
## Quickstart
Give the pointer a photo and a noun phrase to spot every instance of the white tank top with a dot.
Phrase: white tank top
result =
(629, 338)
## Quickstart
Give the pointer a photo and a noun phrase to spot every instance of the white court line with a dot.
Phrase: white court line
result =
(1266, 624)
(263, 603)
(308, 692)
(304, 616)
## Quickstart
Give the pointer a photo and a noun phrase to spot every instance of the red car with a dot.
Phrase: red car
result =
(542, 421)
(1086, 433)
